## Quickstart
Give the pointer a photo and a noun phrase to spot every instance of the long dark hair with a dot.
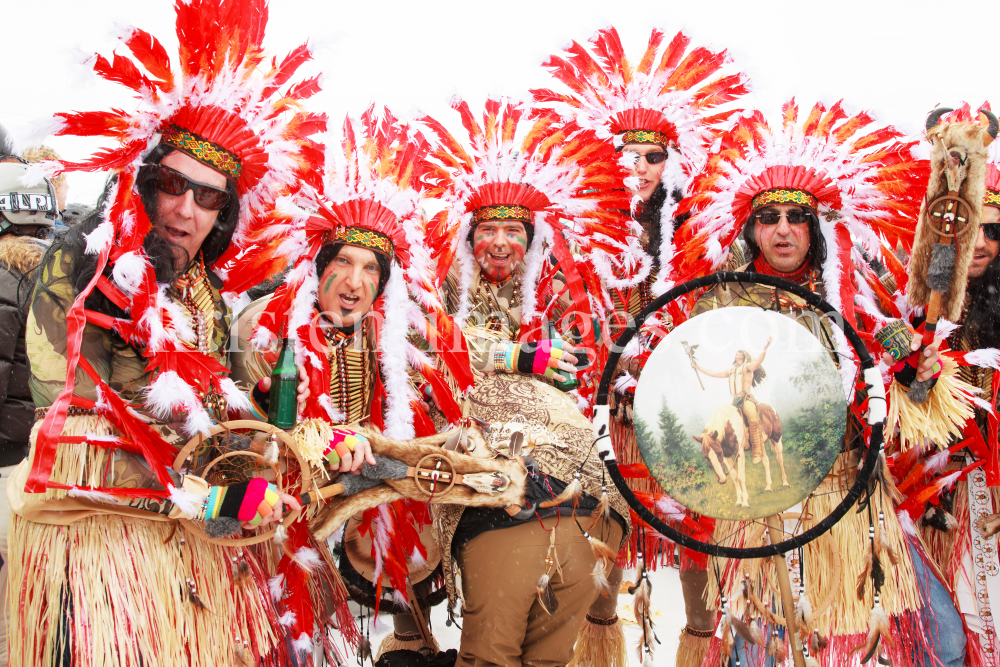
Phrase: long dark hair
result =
(817, 243)
(648, 215)
(72, 243)
(982, 319)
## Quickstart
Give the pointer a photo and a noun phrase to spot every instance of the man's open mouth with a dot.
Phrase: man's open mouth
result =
(499, 259)
(349, 301)
(173, 234)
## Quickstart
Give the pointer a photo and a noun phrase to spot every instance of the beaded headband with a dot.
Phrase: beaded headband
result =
(645, 137)
(203, 150)
(991, 198)
(362, 238)
(502, 212)
(783, 196)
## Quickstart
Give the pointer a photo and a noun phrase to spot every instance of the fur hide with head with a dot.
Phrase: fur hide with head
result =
(339, 509)
(969, 139)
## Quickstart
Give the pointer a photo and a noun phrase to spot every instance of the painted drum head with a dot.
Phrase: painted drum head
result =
(751, 426)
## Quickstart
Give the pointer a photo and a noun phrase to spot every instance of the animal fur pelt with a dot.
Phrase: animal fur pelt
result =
(968, 138)
(20, 253)
(336, 512)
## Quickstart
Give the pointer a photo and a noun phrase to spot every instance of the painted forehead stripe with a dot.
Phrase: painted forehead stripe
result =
(501, 212)
(783, 196)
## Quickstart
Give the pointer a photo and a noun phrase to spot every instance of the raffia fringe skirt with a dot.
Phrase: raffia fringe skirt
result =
(114, 591)
(832, 563)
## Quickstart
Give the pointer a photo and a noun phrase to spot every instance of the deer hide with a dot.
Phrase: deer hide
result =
(968, 136)
(339, 508)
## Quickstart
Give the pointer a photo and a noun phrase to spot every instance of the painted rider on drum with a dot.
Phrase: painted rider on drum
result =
(743, 376)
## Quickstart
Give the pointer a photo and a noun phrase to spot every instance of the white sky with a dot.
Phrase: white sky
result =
(898, 59)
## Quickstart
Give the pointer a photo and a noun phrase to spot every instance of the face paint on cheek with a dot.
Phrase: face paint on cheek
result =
(329, 281)
(371, 290)
(479, 249)
(518, 248)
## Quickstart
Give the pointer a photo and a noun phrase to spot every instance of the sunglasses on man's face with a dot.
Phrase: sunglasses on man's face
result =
(174, 183)
(655, 157)
(991, 230)
(773, 217)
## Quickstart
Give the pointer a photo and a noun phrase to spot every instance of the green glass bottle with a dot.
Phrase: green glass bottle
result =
(572, 382)
(283, 398)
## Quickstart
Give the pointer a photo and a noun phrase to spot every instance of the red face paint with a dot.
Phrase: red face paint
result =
(499, 248)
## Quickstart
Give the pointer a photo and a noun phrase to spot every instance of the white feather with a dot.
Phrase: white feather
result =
(399, 415)
(936, 462)
(91, 494)
(188, 503)
(303, 644)
(945, 328)
(100, 239)
(416, 559)
(235, 399)
(128, 271)
(906, 523)
(399, 597)
(287, 619)
(987, 357)
(276, 585)
(198, 421)
(308, 558)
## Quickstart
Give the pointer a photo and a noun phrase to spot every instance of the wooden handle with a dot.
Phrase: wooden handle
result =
(787, 603)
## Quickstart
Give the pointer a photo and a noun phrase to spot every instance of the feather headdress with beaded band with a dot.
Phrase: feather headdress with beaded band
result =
(670, 96)
(556, 179)
(225, 106)
(864, 180)
(370, 197)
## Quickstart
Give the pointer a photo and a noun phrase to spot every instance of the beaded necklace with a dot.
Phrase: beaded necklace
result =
(195, 295)
(486, 302)
(350, 373)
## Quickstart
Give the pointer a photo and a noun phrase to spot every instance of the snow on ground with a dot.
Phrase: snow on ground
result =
(668, 618)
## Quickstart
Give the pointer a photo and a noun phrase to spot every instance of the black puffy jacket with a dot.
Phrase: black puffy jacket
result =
(18, 255)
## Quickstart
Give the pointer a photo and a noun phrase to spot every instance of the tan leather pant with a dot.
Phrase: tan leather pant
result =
(503, 623)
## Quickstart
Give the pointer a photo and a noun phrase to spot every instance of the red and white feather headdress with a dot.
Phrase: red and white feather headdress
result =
(557, 177)
(670, 97)
(370, 196)
(865, 187)
(226, 107)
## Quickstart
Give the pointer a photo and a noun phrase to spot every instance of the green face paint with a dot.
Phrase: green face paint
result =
(520, 239)
(329, 281)
(371, 286)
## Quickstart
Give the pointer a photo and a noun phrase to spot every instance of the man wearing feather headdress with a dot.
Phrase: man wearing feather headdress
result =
(529, 573)
(361, 282)
(796, 221)
(958, 523)
(660, 113)
(129, 355)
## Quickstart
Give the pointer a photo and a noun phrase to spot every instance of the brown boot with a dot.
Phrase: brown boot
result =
(756, 441)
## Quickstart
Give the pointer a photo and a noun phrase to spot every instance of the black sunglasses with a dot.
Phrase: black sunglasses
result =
(174, 183)
(991, 230)
(772, 217)
(654, 157)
